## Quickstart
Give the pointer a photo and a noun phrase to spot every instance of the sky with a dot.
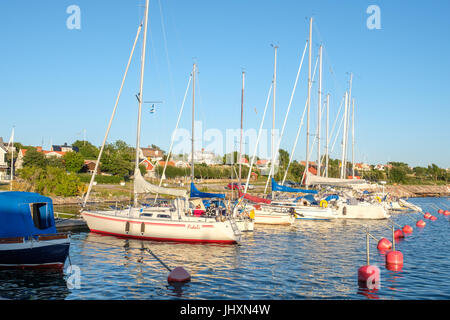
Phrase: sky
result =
(58, 83)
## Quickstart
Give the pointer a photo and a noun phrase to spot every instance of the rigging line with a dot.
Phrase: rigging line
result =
(169, 65)
(257, 139)
(300, 125)
(337, 133)
(285, 118)
(173, 135)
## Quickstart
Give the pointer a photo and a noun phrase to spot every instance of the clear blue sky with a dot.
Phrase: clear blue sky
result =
(56, 82)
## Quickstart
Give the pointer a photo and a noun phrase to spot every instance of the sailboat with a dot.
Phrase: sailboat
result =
(171, 223)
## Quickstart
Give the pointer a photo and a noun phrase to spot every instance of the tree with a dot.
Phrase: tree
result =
(397, 174)
(73, 161)
(33, 158)
(86, 149)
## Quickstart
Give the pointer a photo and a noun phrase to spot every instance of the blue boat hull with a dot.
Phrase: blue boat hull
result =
(48, 256)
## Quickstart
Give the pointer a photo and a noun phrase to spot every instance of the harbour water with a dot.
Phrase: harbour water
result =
(309, 260)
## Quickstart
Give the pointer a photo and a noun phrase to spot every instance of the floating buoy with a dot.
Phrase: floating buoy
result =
(433, 218)
(394, 267)
(427, 215)
(446, 213)
(394, 257)
(407, 229)
(398, 234)
(421, 224)
(368, 276)
(179, 274)
(384, 244)
(440, 211)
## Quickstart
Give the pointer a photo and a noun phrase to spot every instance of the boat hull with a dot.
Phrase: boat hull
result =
(49, 254)
(194, 230)
(368, 212)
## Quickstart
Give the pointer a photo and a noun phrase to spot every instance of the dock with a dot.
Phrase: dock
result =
(72, 224)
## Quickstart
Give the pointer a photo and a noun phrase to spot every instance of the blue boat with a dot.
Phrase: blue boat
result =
(28, 236)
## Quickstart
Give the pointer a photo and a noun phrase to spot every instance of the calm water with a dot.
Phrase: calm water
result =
(310, 260)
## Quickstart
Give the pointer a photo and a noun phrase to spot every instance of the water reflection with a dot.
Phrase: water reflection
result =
(33, 285)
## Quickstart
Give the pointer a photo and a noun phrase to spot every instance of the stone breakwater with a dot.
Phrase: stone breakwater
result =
(415, 191)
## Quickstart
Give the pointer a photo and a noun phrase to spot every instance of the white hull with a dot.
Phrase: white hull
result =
(362, 211)
(315, 213)
(187, 229)
(272, 215)
(245, 225)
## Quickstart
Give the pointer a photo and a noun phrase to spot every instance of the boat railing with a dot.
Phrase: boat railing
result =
(12, 240)
(56, 236)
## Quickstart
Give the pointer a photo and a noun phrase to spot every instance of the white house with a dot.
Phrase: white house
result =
(206, 157)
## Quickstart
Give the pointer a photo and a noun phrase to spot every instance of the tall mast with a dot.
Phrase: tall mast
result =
(141, 89)
(193, 120)
(348, 122)
(273, 109)
(242, 127)
(309, 96)
(327, 142)
(319, 114)
(353, 138)
(344, 136)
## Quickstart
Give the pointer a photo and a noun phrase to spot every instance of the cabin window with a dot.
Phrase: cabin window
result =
(40, 215)
(163, 216)
(147, 214)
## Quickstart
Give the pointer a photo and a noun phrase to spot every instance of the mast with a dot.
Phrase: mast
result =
(141, 89)
(348, 122)
(242, 128)
(344, 136)
(309, 96)
(273, 109)
(319, 114)
(193, 120)
(353, 138)
(327, 142)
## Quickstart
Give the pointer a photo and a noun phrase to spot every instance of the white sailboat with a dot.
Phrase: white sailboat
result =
(173, 223)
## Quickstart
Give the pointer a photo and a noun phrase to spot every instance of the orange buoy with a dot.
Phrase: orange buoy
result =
(427, 215)
(407, 229)
(433, 218)
(394, 267)
(369, 276)
(398, 234)
(384, 244)
(446, 213)
(440, 211)
(421, 224)
(179, 274)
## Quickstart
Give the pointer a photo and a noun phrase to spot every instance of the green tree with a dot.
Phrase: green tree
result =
(73, 161)
(397, 174)
(86, 149)
(33, 158)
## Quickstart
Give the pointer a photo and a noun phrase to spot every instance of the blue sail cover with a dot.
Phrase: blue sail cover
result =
(308, 197)
(24, 214)
(279, 187)
(197, 194)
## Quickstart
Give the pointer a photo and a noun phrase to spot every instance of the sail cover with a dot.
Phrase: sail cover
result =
(142, 186)
(279, 187)
(197, 194)
(313, 179)
(254, 198)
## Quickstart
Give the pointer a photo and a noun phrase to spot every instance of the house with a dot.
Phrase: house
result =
(362, 166)
(3, 163)
(48, 154)
(64, 148)
(163, 163)
(244, 162)
(182, 164)
(206, 157)
(262, 164)
(89, 166)
(379, 167)
(153, 154)
(149, 168)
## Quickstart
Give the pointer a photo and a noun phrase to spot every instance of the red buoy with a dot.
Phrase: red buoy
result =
(398, 234)
(407, 229)
(446, 213)
(384, 244)
(179, 274)
(440, 211)
(394, 257)
(427, 215)
(421, 224)
(433, 218)
(369, 276)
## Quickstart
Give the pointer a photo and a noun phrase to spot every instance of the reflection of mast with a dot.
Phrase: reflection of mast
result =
(193, 120)
(141, 89)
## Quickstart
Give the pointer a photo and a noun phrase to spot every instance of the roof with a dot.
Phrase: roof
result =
(163, 163)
